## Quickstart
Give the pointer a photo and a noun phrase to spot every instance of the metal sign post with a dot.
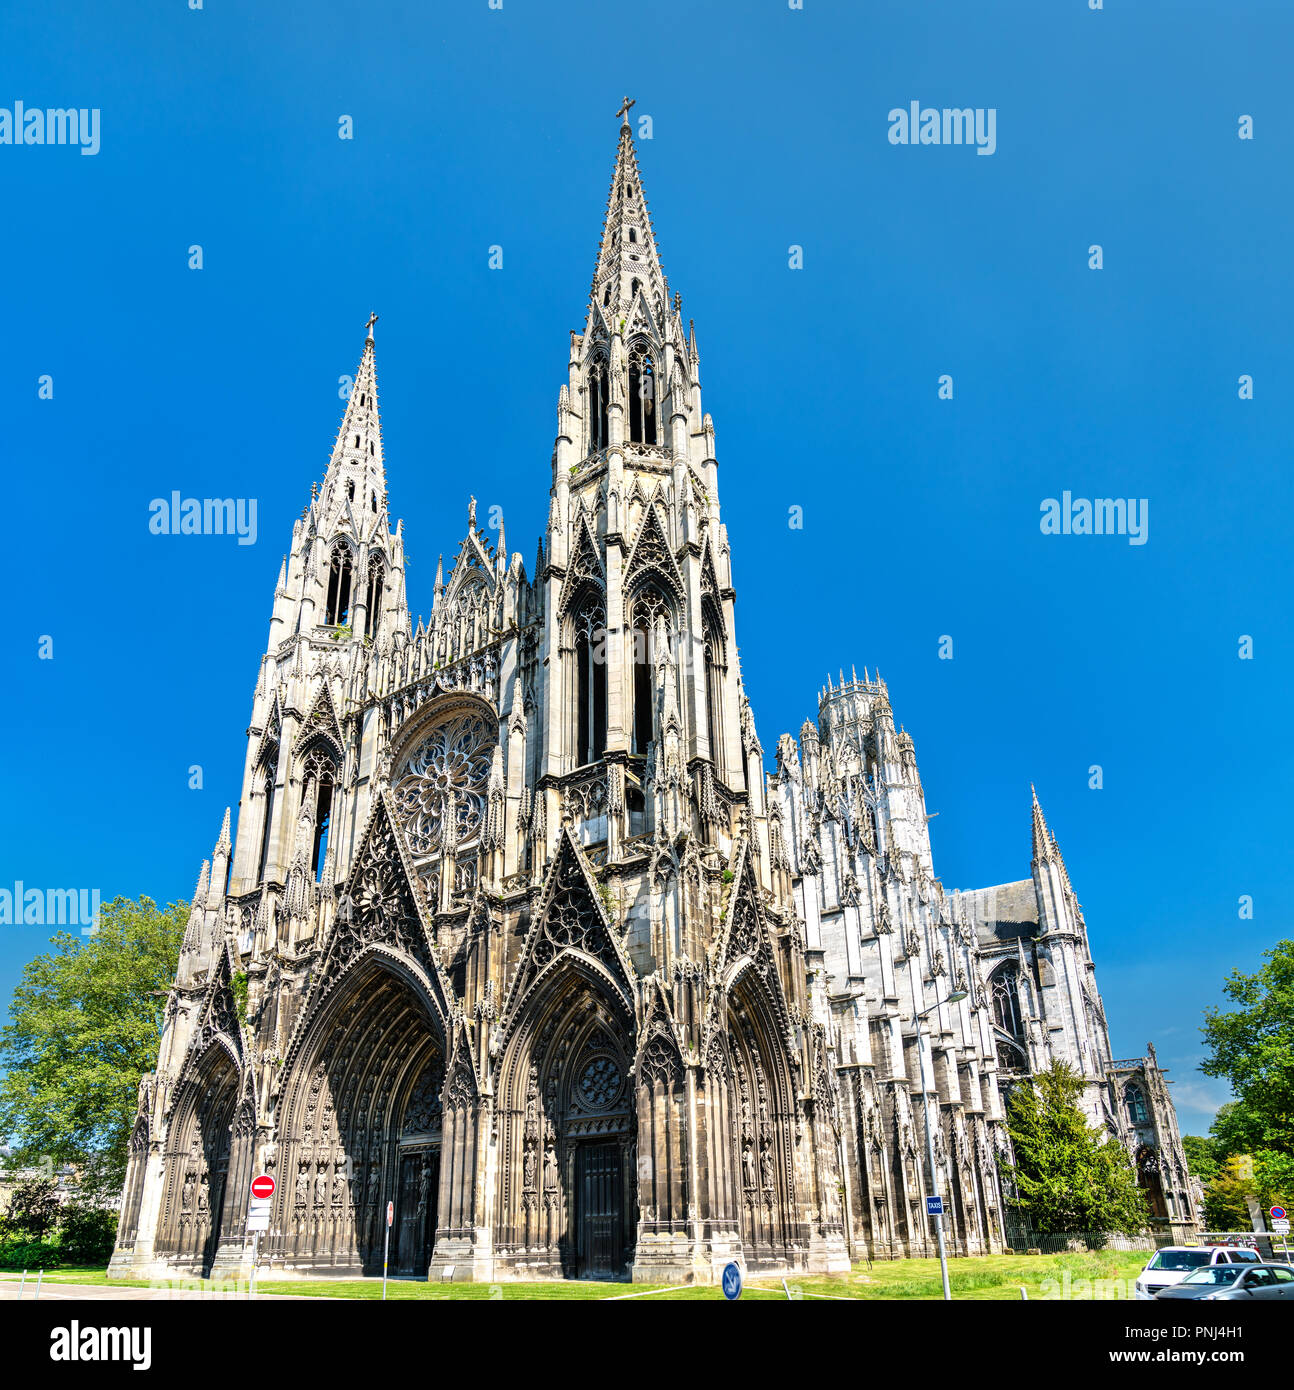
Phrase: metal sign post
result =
(386, 1243)
(935, 1205)
(258, 1220)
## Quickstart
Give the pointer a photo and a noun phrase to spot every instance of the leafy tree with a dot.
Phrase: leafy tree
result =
(1201, 1156)
(1268, 1182)
(1225, 1208)
(33, 1209)
(83, 1028)
(1066, 1176)
(87, 1233)
(1253, 1048)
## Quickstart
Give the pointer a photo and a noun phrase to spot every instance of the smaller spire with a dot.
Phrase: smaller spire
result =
(224, 843)
(204, 879)
(193, 932)
(1041, 835)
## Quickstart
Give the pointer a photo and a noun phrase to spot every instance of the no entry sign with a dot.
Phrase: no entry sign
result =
(263, 1187)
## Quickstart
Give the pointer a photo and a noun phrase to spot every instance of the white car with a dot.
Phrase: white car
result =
(1174, 1262)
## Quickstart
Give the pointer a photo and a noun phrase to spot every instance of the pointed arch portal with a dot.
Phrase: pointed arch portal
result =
(197, 1161)
(361, 1127)
(567, 1131)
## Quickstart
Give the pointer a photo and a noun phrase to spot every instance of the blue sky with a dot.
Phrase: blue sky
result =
(475, 127)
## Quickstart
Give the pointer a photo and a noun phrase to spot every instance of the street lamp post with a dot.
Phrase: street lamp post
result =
(953, 998)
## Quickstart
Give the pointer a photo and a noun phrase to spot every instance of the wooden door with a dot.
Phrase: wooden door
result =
(415, 1212)
(600, 1183)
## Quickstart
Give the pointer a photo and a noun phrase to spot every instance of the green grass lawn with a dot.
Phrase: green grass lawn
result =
(986, 1277)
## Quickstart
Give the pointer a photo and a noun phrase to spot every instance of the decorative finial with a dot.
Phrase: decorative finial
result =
(471, 513)
(623, 113)
(368, 328)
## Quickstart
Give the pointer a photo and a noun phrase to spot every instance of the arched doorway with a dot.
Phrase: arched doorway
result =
(762, 1105)
(567, 1127)
(361, 1128)
(1148, 1176)
(418, 1168)
(197, 1162)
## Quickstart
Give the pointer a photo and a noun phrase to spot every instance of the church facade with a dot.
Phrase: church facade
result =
(518, 936)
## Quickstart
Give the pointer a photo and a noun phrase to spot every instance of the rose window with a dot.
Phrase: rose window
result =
(600, 1083)
(444, 778)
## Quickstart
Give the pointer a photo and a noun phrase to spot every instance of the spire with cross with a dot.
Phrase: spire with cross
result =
(628, 259)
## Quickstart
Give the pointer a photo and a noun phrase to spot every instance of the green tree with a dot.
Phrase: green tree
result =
(1252, 1047)
(1201, 1156)
(1268, 1180)
(1066, 1176)
(83, 1028)
(33, 1209)
(87, 1233)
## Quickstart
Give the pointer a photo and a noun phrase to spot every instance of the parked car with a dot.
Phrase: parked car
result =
(1174, 1262)
(1238, 1282)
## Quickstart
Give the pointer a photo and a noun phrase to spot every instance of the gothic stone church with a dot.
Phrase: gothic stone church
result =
(518, 934)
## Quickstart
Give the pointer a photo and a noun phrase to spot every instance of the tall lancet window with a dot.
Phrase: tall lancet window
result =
(642, 397)
(1135, 1103)
(268, 764)
(337, 610)
(591, 681)
(647, 608)
(373, 597)
(714, 671)
(598, 393)
(1004, 990)
(317, 799)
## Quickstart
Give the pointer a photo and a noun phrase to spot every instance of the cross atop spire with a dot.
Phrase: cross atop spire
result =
(623, 113)
(368, 328)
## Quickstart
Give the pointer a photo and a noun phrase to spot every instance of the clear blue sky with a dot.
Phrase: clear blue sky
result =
(475, 127)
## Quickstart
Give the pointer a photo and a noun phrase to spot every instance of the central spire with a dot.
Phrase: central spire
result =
(356, 475)
(628, 261)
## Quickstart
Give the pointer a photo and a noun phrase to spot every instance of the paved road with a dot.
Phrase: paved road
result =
(76, 1293)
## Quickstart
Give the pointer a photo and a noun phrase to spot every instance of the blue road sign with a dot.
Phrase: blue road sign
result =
(934, 1206)
(1278, 1213)
(732, 1281)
